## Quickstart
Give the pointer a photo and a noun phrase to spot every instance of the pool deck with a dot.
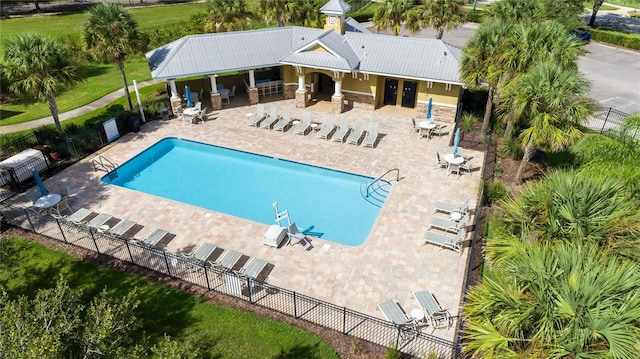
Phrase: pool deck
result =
(391, 264)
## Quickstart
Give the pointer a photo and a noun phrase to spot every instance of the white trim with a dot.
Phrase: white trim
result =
(437, 103)
(359, 93)
(412, 78)
(316, 67)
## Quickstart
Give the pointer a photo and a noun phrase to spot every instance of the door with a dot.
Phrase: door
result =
(390, 91)
(409, 94)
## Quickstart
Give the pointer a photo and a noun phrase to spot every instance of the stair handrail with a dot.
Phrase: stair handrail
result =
(379, 178)
(99, 163)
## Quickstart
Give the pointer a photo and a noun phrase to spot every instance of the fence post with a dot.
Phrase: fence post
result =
(250, 290)
(398, 337)
(606, 119)
(206, 275)
(344, 320)
(166, 262)
(295, 308)
(61, 231)
(33, 228)
(126, 243)
(94, 240)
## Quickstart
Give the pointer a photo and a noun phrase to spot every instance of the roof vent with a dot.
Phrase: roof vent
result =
(445, 53)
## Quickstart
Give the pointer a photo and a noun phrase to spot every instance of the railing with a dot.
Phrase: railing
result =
(101, 163)
(606, 120)
(379, 178)
(291, 303)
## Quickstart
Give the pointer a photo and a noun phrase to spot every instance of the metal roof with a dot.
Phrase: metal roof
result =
(355, 26)
(335, 7)
(206, 54)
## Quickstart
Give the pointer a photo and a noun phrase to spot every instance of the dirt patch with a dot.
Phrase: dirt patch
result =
(341, 343)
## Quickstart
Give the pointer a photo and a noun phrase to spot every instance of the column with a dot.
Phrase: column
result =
(254, 96)
(337, 100)
(301, 93)
(174, 100)
(301, 86)
(252, 79)
(216, 101)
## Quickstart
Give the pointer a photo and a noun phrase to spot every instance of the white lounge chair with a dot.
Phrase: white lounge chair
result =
(271, 118)
(444, 240)
(448, 225)
(394, 313)
(253, 268)
(258, 116)
(79, 216)
(303, 126)
(284, 121)
(435, 316)
(122, 227)
(356, 133)
(202, 254)
(372, 135)
(448, 207)
(229, 260)
(295, 236)
(342, 130)
(327, 127)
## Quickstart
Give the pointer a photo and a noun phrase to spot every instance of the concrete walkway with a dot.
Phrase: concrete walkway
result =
(101, 102)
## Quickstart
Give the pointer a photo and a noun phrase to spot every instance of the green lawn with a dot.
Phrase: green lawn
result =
(222, 333)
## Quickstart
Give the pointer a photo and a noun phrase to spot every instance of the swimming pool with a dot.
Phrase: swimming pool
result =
(324, 203)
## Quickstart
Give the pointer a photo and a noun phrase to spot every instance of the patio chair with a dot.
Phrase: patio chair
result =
(356, 133)
(33, 195)
(304, 125)
(271, 118)
(327, 127)
(284, 120)
(342, 130)
(224, 95)
(202, 254)
(435, 316)
(79, 216)
(232, 93)
(64, 191)
(99, 220)
(445, 241)
(202, 116)
(198, 106)
(453, 167)
(466, 166)
(448, 225)
(372, 135)
(295, 236)
(228, 261)
(253, 268)
(448, 207)
(180, 112)
(438, 130)
(414, 125)
(440, 163)
(155, 237)
(258, 116)
(60, 207)
(424, 132)
(194, 97)
(122, 227)
(394, 313)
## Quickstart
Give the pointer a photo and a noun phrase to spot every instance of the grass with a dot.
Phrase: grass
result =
(220, 332)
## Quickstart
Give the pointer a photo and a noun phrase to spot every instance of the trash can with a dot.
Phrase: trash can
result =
(134, 124)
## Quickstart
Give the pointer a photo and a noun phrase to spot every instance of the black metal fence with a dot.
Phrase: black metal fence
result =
(296, 305)
(606, 120)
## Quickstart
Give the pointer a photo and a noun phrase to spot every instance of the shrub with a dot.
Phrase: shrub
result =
(615, 37)
(493, 192)
(510, 148)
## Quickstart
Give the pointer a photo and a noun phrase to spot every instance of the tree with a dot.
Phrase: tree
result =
(280, 10)
(228, 15)
(483, 61)
(307, 12)
(110, 34)
(391, 14)
(596, 6)
(553, 103)
(39, 67)
(565, 12)
(438, 14)
(555, 301)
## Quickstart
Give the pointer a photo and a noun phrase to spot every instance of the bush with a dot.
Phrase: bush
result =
(510, 148)
(494, 192)
(615, 37)
(476, 16)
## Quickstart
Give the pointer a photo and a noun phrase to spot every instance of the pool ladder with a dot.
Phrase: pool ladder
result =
(397, 170)
(102, 164)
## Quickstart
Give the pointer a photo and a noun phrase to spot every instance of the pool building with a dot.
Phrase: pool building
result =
(343, 63)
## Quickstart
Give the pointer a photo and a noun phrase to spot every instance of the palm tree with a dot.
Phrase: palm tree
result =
(228, 15)
(529, 44)
(555, 301)
(514, 11)
(553, 102)
(307, 13)
(280, 10)
(438, 14)
(483, 61)
(391, 14)
(37, 66)
(110, 34)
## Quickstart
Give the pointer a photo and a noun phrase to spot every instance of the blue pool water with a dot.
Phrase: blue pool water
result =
(324, 203)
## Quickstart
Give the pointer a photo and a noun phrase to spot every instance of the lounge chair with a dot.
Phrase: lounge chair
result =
(434, 314)
(99, 220)
(271, 118)
(303, 126)
(79, 216)
(394, 313)
(258, 116)
(449, 225)
(202, 254)
(372, 135)
(122, 227)
(284, 120)
(444, 240)
(327, 128)
(253, 268)
(356, 133)
(229, 260)
(295, 236)
(342, 130)
(155, 237)
(448, 207)
(441, 163)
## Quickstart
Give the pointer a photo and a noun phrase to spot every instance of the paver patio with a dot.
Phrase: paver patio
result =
(392, 262)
